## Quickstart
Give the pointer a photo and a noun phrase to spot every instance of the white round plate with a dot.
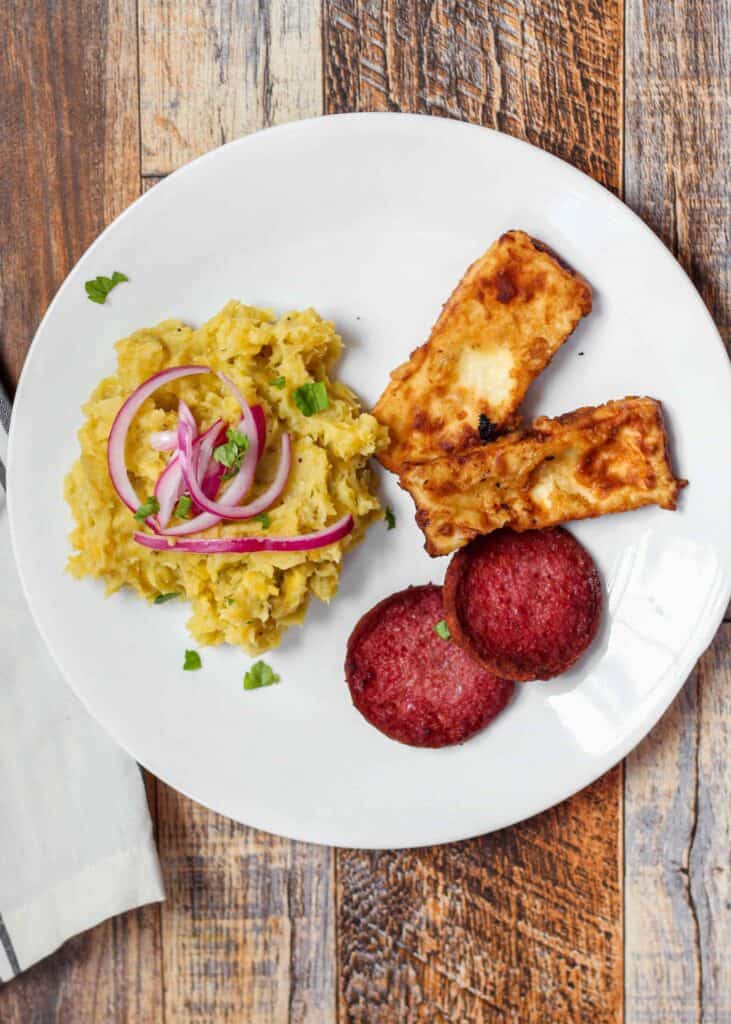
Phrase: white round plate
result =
(372, 219)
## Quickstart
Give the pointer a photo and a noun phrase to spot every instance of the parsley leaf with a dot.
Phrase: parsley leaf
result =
(99, 287)
(278, 382)
(232, 452)
(442, 630)
(264, 520)
(184, 506)
(229, 602)
(162, 598)
(260, 674)
(192, 661)
(147, 508)
(311, 398)
(390, 518)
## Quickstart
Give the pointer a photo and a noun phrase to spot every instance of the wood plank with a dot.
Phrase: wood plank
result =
(524, 925)
(109, 973)
(678, 136)
(678, 837)
(248, 926)
(546, 72)
(678, 148)
(211, 72)
(68, 101)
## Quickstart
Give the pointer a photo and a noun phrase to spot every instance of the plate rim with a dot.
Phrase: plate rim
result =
(657, 704)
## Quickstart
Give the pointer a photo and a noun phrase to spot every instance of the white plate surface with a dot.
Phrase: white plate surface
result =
(372, 219)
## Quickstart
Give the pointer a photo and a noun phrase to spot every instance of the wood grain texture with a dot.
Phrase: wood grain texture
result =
(678, 149)
(520, 926)
(678, 136)
(70, 159)
(110, 973)
(248, 927)
(678, 838)
(69, 164)
(548, 72)
(524, 926)
(211, 72)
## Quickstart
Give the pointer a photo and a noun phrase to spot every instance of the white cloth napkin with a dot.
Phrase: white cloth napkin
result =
(76, 842)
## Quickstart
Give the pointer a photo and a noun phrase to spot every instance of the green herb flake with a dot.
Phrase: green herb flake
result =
(99, 287)
(278, 382)
(162, 598)
(184, 506)
(192, 661)
(260, 674)
(264, 520)
(442, 630)
(232, 452)
(229, 602)
(147, 508)
(311, 398)
(390, 518)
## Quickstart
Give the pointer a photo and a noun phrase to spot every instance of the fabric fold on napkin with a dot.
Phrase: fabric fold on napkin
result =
(76, 839)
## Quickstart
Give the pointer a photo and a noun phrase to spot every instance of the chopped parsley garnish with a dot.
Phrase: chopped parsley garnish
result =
(229, 602)
(278, 382)
(311, 398)
(442, 630)
(162, 598)
(147, 508)
(390, 518)
(264, 520)
(232, 452)
(485, 428)
(192, 661)
(182, 509)
(99, 287)
(260, 674)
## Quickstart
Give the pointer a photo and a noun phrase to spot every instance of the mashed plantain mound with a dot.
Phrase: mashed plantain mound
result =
(250, 599)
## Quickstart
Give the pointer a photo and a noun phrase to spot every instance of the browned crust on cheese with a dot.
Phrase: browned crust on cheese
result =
(519, 296)
(593, 461)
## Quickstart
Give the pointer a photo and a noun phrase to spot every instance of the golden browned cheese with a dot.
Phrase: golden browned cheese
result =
(611, 458)
(507, 317)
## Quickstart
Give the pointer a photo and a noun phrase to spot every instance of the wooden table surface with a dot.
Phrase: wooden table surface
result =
(613, 906)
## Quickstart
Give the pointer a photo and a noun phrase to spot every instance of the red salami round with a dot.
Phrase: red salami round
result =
(412, 684)
(526, 605)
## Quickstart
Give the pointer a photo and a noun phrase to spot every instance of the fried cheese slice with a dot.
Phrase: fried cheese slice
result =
(610, 458)
(503, 323)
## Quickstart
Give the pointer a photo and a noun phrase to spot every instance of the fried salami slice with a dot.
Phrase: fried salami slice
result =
(412, 684)
(525, 605)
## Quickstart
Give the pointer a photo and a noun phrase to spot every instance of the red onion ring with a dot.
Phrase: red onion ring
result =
(187, 417)
(223, 508)
(240, 484)
(205, 464)
(171, 485)
(120, 428)
(244, 545)
(164, 440)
